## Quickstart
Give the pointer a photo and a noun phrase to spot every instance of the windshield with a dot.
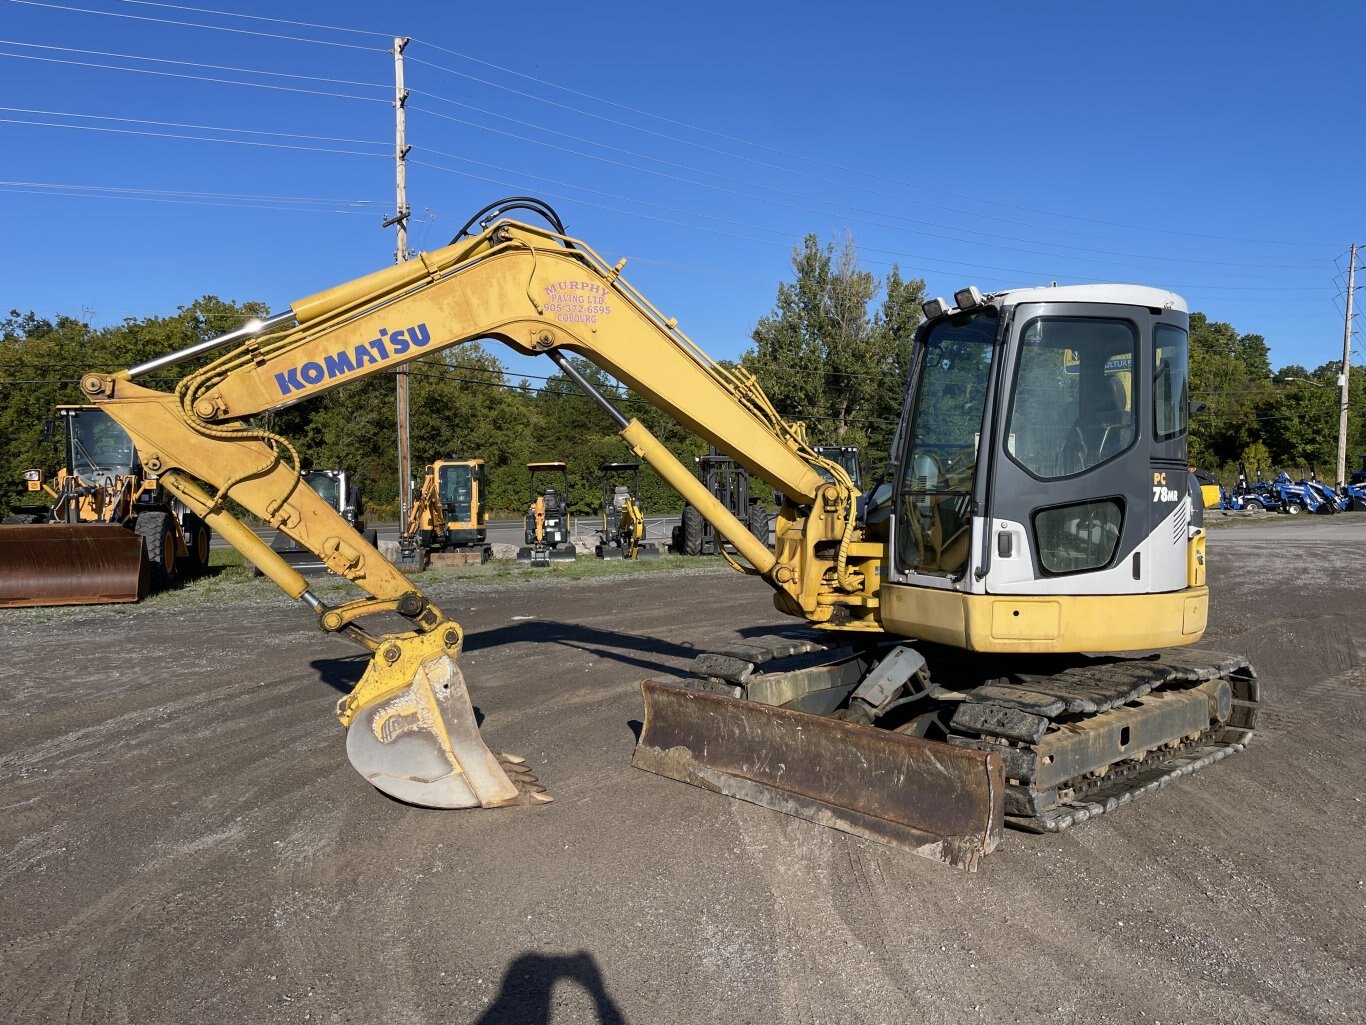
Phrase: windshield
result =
(941, 457)
(99, 447)
(327, 485)
(1073, 407)
(455, 484)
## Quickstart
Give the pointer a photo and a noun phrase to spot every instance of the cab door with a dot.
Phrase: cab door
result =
(1085, 496)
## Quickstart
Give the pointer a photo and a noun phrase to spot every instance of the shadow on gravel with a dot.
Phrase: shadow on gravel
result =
(604, 644)
(529, 983)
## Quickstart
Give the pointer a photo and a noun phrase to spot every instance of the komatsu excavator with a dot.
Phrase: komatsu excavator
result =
(970, 658)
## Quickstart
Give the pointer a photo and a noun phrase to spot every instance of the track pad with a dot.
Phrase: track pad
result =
(422, 746)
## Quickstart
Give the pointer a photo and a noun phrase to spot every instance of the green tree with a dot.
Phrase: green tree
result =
(825, 357)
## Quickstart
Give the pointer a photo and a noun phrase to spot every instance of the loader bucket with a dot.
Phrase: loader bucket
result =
(937, 801)
(71, 564)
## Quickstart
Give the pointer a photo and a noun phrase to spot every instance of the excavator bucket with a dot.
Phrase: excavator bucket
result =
(71, 564)
(940, 802)
(422, 746)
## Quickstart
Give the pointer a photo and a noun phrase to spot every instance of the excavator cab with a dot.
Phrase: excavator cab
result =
(847, 456)
(461, 486)
(547, 518)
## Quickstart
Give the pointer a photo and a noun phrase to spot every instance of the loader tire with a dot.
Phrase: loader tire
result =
(197, 539)
(1293, 508)
(159, 542)
(692, 532)
(758, 522)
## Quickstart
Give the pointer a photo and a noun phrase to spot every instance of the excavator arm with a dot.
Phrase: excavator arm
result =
(411, 729)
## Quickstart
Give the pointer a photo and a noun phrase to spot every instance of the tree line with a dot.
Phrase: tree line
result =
(832, 352)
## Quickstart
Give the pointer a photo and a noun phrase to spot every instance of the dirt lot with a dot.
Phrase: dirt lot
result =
(184, 841)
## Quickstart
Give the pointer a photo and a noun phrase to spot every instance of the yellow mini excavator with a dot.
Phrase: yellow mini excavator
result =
(969, 652)
(547, 517)
(622, 534)
(449, 518)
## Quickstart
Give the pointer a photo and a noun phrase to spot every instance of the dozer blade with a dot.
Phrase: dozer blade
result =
(71, 564)
(916, 794)
(422, 746)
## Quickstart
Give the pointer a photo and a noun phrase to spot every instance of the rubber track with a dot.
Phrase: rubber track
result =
(1088, 691)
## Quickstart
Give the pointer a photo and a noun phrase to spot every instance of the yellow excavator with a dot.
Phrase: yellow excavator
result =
(622, 535)
(449, 518)
(969, 657)
(547, 521)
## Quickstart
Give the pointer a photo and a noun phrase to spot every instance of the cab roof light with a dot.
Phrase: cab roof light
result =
(933, 308)
(967, 298)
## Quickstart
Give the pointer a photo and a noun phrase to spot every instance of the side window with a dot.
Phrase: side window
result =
(1080, 537)
(1171, 401)
(1073, 404)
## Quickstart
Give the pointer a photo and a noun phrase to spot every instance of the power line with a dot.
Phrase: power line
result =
(191, 24)
(193, 78)
(202, 128)
(257, 17)
(658, 117)
(798, 156)
(191, 138)
(192, 64)
(175, 202)
(179, 192)
(920, 261)
(783, 192)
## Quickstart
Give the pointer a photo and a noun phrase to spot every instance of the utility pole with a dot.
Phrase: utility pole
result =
(400, 219)
(1346, 368)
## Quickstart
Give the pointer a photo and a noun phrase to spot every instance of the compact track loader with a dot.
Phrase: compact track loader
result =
(1003, 632)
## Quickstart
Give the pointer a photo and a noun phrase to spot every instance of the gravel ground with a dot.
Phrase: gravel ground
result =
(184, 841)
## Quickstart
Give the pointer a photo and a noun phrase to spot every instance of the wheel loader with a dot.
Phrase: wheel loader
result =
(1006, 635)
(547, 518)
(622, 534)
(111, 533)
(448, 521)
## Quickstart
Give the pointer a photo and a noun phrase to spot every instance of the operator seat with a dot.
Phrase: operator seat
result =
(1103, 427)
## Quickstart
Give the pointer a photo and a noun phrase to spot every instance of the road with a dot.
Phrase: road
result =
(510, 532)
(183, 839)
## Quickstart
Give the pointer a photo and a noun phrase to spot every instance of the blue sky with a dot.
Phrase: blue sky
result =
(1208, 148)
